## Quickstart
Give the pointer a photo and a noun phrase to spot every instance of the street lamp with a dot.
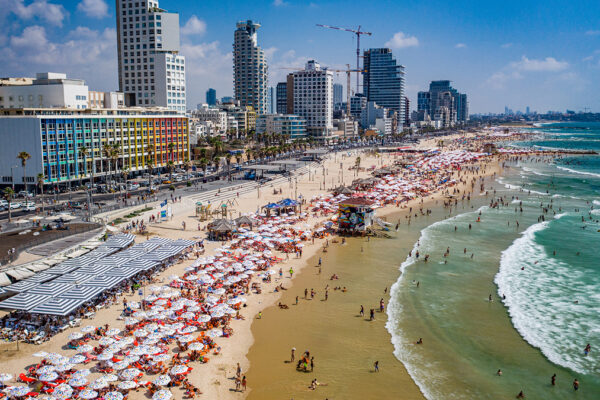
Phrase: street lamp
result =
(12, 177)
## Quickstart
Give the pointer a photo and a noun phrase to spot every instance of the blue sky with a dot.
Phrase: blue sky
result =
(542, 54)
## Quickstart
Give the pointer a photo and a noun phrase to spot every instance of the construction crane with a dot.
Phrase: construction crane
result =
(348, 71)
(357, 32)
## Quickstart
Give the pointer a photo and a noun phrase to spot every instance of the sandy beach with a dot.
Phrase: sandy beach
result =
(214, 378)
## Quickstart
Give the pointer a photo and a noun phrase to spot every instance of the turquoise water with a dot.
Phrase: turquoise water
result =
(543, 275)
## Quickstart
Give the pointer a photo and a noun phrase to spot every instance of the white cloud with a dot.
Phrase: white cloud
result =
(53, 14)
(279, 3)
(194, 26)
(506, 45)
(593, 32)
(460, 45)
(547, 64)
(500, 79)
(83, 53)
(270, 52)
(400, 41)
(93, 8)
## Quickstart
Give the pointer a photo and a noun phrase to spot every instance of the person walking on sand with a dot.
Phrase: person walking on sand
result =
(372, 314)
(238, 371)
(293, 357)
(362, 311)
(312, 364)
(244, 383)
(376, 365)
(320, 261)
(381, 305)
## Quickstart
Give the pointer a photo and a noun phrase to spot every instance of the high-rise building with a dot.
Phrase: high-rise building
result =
(151, 70)
(249, 68)
(211, 97)
(423, 100)
(271, 100)
(338, 95)
(313, 98)
(357, 104)
(383, 81)
(458, 108)
(527, 110)
(281, 96)
(406, 111)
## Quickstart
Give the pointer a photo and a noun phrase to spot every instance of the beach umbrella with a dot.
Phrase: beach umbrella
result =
(77, 359)
(196, 346)
(88, 394)
(133, 305)
(82, 373)
(75, 335)
(203, 318)
(105, 341)
(105, 356)
(127, 385)
(179, 369)
(109, 378)
(162, 395)
(189, 329)
(64, 367)
(5, 377)
(113, 331)
(140, 333)
(161, 357)
(85, 348)
(216, 332)
(48, 377)
(130, 373)
(131, 358)
(46, 369)
(98, 384)
(127, 340)
(121, 365)
(78, 382)
(162, 380)
(131, 321)
(40, 354)
(113, 396)
(185, 339)
(88, 329)
(18, 391)
(62, 391)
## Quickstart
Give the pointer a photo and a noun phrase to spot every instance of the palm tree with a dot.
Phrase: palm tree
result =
(203, 163)
(8, 196)
(150, 166)
(171, 146)
(107, 153)
(228, 160)
(24, 156)
(114, 156)
(40, 181)
(357, 164)
(170, 168)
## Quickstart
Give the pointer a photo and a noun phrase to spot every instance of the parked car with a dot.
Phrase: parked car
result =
(133, 186)
(3, 203)
(24, 193)
(30, 207)
(15, 206)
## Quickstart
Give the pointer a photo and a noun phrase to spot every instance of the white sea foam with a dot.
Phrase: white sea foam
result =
(533, 171)
(578, 172)
(540, 301)
(404, 350)
(596, 202)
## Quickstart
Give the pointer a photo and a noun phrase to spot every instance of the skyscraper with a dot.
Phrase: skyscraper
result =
(313, 98)
(271, 100)
(249, 68)
(383, 81)
(281, 98)
(438, 97)
(211, 97)
(338, 95)
(151, 70)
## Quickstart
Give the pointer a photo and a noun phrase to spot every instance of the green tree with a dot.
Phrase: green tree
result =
(83, 151)
(8, 195)
(40, 181)
(24, 156)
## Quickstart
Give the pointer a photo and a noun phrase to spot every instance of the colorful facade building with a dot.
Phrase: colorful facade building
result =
(67, 145)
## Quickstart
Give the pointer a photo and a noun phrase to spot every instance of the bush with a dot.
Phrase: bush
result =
(172, 188)
(188, 184)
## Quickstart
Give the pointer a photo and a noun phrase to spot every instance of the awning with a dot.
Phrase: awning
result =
(107, 282)
(4, 280)
(22, 286)
(52, 289)
(24, 301)
(58, 306)
(19, 273)
(82, 292)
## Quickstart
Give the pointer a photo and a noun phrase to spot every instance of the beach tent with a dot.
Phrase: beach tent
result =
(106, 282)
(74, 278)
(22, 286)
(52, 289)
(141, 264)
(82, 292)
(23, 301)
(58, 306)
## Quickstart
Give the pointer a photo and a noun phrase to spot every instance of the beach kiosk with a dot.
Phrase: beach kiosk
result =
(355, 215)
(221, 229)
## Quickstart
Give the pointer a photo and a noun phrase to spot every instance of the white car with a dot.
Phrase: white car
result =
(24, 193)
(3, 203)
(29, 207)
(15, 206)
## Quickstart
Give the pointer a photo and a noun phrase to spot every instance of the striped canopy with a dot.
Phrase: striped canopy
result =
(24, 301)
(82, 292)
(58, 306)
(50, 289)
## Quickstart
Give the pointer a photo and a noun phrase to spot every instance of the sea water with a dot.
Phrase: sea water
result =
(543, 275)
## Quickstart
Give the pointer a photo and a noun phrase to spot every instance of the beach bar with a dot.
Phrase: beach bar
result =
(355, 215)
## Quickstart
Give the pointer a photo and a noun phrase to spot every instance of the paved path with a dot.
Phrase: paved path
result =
(59, 245)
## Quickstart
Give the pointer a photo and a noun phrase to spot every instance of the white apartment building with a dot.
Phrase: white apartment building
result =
(47, 90)
(106, 99)
(216, 117)
(151, 70)
(249, 68)
(313, 98)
